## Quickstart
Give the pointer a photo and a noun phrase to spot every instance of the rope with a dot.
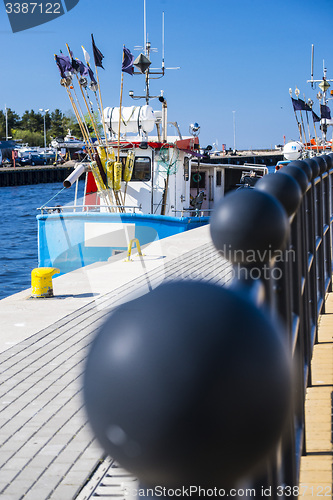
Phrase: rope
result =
(52, 197)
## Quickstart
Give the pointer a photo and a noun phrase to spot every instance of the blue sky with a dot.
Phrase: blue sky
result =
(238, 56)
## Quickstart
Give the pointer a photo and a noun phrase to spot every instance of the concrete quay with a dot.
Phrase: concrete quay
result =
(47, 450)
(28, 175)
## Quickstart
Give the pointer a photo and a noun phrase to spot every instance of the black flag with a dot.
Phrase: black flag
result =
(325, 111)
(300, 105)
(315, 117)
(98, 56)
(64, 64)
(128, 58)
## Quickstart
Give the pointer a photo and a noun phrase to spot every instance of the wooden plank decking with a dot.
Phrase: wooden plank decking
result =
(316, 466)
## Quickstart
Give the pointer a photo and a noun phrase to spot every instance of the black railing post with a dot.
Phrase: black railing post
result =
(330, 175)
(327, 224)
(184, 396)
(320, 271)
(181, 394)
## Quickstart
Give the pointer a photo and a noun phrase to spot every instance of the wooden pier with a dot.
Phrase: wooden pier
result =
(317, 464)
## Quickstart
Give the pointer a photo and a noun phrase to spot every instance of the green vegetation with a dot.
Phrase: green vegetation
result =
(30, 127)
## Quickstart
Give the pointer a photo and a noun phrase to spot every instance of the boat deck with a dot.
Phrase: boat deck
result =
(47, 449)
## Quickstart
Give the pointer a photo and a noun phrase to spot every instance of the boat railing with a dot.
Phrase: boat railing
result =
(90, 208)
(228, 368)
(196, 212)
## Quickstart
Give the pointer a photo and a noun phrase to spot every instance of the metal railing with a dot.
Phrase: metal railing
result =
(195, 212)
(209, 389)
(88, 208)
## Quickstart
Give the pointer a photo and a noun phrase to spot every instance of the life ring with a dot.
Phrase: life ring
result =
(196, 177)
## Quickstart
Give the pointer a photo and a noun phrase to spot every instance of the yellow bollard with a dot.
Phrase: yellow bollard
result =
(129, 249)
(41, 281)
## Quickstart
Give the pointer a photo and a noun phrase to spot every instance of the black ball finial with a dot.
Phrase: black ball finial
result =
(303, 165)
(321, 163)
(189, 370)
(297, 173)
(328, 160)
(249, 226)
(331, 156)
(314, 167)
(284, 187)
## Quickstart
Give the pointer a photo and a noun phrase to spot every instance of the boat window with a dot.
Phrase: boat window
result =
(218, 177)
(141, 170)
(198, 179)
(232, 179)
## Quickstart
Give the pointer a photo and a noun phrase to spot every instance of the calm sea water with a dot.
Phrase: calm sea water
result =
(18, 231)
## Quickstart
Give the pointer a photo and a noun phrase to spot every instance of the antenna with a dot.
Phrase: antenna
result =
(144, 66)
(163, 41)
(144, 27)
(312, 59)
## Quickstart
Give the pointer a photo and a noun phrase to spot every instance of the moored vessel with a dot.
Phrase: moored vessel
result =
(141, 184)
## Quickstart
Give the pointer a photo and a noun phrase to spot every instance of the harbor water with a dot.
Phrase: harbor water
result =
(18, 242)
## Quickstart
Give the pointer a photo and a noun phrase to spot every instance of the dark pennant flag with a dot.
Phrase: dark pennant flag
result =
(315, 117)
(92, 76)
(98, 56)
(128, 58)
(300, 105)
(64, 64)
(325, 111)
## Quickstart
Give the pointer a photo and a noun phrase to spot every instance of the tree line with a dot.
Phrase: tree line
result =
(30, 127)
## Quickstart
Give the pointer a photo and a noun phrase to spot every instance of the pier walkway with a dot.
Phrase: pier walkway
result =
(316, 466)
(47, 450)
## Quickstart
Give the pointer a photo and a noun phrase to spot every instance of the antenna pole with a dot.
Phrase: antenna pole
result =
(144, 27)
(163, 42)
(147, 74)
(312, 59)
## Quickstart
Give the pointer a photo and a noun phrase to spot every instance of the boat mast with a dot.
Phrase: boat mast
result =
(322, 94)
(143, 64)
(144, 26)
(150, 73)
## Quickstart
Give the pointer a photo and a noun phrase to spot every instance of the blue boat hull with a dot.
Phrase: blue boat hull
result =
(69, 241)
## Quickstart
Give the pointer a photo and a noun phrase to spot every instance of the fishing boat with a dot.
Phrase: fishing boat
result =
(308, 146)
(141, 183)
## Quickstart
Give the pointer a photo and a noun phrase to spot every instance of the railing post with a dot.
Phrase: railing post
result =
(184, 397)
(166, 384)
(288, 188)
(327, 224)
(319, 247)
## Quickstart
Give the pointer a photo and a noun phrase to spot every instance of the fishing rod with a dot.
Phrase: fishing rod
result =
(94, 86)
(108, 156)
(96, 169)
(84, 98)
(102, 156)
(98, 153)
(295, 113)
